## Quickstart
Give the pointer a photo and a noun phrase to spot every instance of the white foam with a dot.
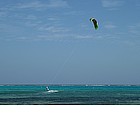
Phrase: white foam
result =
(52, 91)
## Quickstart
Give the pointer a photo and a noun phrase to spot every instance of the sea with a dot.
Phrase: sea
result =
(70, 95)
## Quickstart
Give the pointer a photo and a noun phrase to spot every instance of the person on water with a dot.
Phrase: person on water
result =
(47, 88)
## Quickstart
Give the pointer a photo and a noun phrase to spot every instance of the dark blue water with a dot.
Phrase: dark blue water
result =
(74, 94)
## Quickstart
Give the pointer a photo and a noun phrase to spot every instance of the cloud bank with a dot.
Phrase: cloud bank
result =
(112, 4)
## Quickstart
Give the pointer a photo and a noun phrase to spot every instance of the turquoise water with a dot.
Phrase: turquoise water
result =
(72, 94)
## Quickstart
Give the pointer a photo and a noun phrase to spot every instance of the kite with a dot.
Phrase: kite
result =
(95, 23)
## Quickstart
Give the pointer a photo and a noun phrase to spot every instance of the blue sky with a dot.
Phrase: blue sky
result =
(53, 41)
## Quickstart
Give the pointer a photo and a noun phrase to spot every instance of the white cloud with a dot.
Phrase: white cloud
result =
(90, 36)
(110, 26)
(57, 3)
(53, 29)
(18, 23)
(41, 5)
(35, 4)
(52, 18)
(83, 36)
(112, 3)
(134, 29)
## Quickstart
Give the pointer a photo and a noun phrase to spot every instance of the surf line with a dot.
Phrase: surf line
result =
(62, 67)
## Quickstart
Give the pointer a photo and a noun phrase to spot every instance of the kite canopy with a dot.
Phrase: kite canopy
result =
(95, 23)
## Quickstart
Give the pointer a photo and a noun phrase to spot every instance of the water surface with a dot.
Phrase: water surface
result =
(70, 94)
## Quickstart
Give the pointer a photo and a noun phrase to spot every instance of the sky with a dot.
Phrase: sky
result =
(54, 42)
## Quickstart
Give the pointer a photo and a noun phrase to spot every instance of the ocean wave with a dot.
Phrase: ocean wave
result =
(52, 91)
